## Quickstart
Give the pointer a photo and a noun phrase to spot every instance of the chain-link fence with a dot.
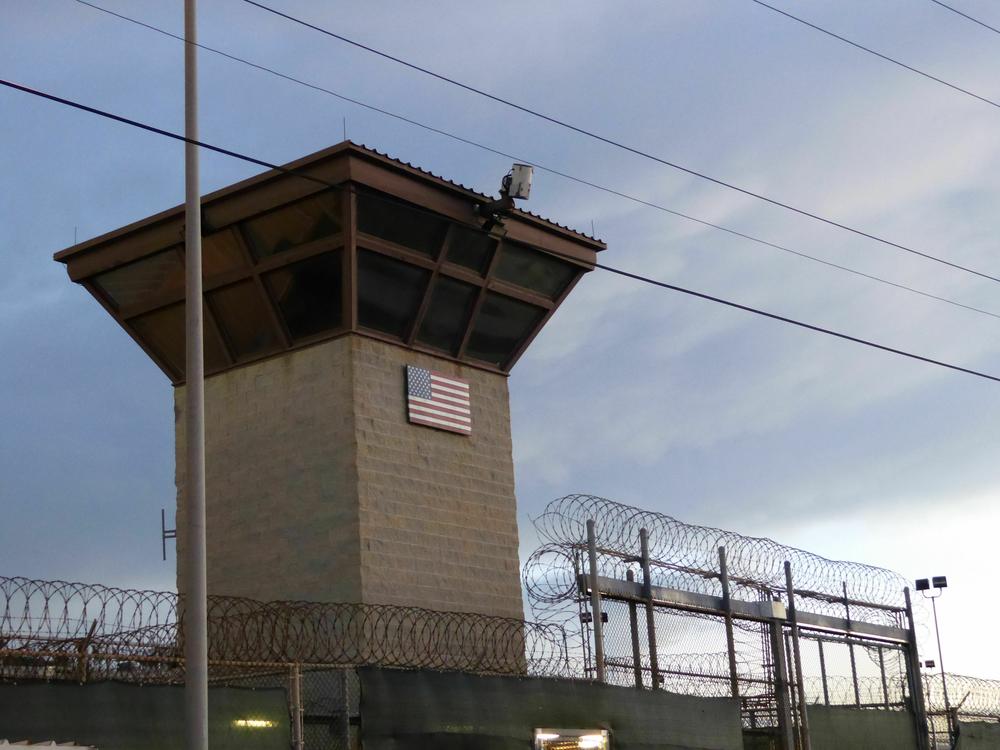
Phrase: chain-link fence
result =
(649, 601)
(642, 601)
(60, 631)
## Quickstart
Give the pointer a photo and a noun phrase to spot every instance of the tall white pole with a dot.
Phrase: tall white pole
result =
(195, 584)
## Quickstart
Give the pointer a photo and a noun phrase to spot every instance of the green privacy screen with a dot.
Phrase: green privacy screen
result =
(119, 716)
(447, 711)
(839, 728)
(978, 735)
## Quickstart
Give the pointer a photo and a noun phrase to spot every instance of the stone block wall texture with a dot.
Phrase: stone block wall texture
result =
(318, 488)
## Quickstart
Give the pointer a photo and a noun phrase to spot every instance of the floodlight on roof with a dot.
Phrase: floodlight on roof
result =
(515, 184)
(923, 586)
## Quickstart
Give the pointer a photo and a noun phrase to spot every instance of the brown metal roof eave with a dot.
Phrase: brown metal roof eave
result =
(176, 212)
(527, 216)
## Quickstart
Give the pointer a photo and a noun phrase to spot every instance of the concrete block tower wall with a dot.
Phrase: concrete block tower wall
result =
(315, 300)
(318, 488)
(281, 478)
(438, 514)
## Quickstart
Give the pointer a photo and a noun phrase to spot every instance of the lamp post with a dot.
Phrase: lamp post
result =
(938, 583)
(929, 664)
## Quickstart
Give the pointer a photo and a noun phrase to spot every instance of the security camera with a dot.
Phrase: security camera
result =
(515, 184)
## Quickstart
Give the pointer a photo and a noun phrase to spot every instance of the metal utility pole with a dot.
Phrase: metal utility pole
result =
(595, 601)
(944, 679)
(195, 583)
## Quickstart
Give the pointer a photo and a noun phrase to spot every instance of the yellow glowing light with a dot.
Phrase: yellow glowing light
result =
(255, 723)
(591, 741)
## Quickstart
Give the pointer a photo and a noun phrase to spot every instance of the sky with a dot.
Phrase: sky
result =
(631, 392)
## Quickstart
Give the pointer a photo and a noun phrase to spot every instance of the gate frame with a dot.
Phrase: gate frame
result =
(789, 693)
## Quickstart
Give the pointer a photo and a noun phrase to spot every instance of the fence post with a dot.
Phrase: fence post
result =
(633, 626)
(850, 648)
(822, 673)
(781, 693)
(347, 678)
(295, 698)
(647, 592)
(595, 602)
(885, 684)
(913, 677)
(797, 656)
(734, 685)
(83, 651)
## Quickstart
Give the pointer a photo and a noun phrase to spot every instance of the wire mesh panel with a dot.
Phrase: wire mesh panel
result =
(59, 630)
(703, 611)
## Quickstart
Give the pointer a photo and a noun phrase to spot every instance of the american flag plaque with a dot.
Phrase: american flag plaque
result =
(437, 400)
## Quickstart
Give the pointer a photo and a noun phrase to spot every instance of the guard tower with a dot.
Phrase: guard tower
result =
(358, 340)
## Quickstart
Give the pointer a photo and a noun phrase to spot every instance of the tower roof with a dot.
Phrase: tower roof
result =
(363, 244)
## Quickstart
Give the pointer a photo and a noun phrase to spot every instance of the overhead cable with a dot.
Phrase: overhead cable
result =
(870, 51)
(631, 149)
(543, 168)
(603, 267)
(955, 10)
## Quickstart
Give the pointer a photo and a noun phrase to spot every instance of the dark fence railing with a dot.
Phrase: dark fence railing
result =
(56, 628)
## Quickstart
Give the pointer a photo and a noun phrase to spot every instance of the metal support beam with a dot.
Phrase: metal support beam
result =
(297, 710)
(881, 669)
(761, 611)
(633, 627)
(195, 583)
(850, 648)
(822, 672)
(647, 594)
(797, 655)
(944, 676)
(781, 694)
(83, 651)
(347, 677)
(913, 677)
(734, 684)
(595, 602)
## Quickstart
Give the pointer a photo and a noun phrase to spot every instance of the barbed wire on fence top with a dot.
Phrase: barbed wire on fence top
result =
(970, 696)
(686, 557)
(686, 551)
(143, 627)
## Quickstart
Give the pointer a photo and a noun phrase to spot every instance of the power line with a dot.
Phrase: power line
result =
(967, 16)
(792, 321)
(603, 267)
(549, 170)
(631, 149)
(879, 55)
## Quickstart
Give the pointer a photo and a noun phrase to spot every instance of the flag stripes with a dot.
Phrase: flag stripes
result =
(438, 400)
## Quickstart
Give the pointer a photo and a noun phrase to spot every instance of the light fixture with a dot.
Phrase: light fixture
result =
(515, 184)
(255, 723)
(579, 739)
(939, 583)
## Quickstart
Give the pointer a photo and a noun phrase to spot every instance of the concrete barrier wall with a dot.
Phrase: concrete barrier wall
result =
(118, 716)
(404, 710)
(839, 728)
(978, 735)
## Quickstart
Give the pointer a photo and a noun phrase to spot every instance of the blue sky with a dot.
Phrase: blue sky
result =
(633, 393)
